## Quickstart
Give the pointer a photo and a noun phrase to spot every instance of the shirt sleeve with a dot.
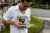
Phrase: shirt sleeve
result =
(29, 15)
(8, 14)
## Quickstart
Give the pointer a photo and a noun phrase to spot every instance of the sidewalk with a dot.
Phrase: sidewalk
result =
(44, 18)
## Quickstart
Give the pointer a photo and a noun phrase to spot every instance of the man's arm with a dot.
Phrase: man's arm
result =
(9, 22)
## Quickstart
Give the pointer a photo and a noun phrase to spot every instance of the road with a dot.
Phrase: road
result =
(41, 12)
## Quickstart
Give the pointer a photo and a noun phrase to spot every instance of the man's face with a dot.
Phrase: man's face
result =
(26, 4)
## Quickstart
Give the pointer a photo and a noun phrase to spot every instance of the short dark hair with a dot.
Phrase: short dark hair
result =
(26, 0)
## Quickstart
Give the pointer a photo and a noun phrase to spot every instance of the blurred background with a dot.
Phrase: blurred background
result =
(40, 8)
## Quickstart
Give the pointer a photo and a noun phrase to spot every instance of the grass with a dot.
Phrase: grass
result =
(38, 24)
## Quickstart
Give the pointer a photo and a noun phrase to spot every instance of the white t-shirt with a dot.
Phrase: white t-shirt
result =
(12, 14)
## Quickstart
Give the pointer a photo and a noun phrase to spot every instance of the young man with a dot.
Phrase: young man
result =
(12, 16)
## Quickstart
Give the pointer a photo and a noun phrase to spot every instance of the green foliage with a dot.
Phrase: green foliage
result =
(38, 24)
(5, 31)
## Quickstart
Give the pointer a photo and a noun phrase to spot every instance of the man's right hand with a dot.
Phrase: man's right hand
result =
(17, 24)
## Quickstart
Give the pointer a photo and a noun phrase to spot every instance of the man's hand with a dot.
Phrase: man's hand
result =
(28, 22)
(17, 24)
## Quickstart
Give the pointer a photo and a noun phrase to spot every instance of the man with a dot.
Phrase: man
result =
(13, 15)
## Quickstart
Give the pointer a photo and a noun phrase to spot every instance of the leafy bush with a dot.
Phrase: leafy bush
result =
(38, 24)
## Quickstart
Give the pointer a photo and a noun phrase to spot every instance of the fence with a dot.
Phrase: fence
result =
(41, 6)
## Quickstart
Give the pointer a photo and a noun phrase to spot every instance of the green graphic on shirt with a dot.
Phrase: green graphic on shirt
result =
(22, 18)
(19, 17)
